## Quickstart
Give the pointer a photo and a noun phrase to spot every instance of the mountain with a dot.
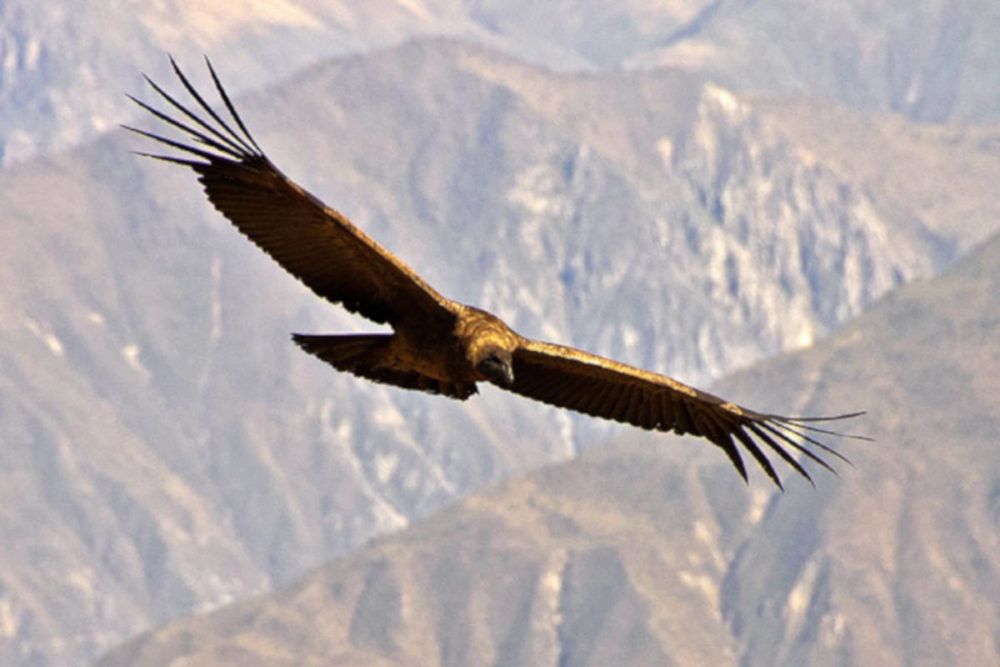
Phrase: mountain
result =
(902, 163)
(168, 450)
(626, 556)
(929, 60)
(64, 65)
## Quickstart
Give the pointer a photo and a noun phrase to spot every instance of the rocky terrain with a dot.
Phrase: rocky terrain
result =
(64, 65)
(167, 450)
(631, 555)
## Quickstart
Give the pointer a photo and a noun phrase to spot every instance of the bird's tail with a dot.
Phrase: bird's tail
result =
(345, 352)
(364, 356)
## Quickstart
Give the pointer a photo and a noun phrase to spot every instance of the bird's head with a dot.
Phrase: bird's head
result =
(497, 367)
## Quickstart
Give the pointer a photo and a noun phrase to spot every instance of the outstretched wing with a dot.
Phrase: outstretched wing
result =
(587, 383)
(312, 241)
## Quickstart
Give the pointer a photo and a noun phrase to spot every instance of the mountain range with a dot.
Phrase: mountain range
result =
(628, 556)
(167, 450)
(64, 66)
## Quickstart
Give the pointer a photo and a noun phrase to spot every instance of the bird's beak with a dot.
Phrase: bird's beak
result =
(508, 375)
(498, 370)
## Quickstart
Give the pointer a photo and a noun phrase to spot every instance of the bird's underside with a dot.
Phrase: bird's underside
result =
(437, 344)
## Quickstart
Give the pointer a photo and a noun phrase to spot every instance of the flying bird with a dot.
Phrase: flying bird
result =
(438, 345)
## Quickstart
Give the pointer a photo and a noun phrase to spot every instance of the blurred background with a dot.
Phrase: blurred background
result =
(792, 204)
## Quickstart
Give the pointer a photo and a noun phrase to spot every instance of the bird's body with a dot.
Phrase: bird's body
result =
(444, 358)
(438, 345)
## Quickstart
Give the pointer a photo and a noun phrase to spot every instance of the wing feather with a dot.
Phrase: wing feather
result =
(646, 417)
(666, 421)
(705, 425)
(591, 384)
(682, 418)
(312, 241)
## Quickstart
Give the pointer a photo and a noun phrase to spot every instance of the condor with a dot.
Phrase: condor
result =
(439, 345)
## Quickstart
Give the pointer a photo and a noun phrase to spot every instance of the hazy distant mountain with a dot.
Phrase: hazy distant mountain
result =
(167, 449)
(627, 556)
(930, 60)
(64, 65)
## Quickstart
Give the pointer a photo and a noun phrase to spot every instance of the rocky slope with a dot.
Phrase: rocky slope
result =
(64, 65)
(929, 60)
(167, 449)
(629, 556)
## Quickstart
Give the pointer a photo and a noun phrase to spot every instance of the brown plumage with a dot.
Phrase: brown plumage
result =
(439, 345)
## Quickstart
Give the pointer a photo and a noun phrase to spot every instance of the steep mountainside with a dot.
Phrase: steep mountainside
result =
(929, 60)
(64, 65)
(626, 556)
(903, 164)
(167, 449)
